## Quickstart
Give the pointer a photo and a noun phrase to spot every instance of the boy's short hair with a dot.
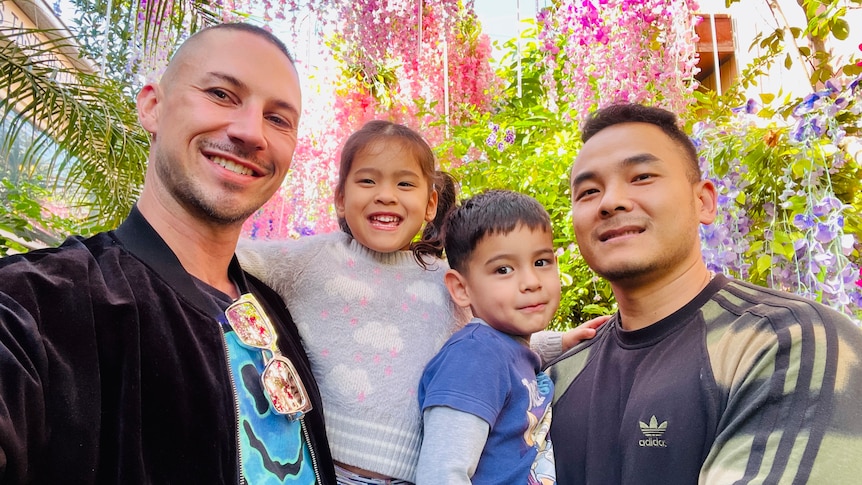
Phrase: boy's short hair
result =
(491, 212)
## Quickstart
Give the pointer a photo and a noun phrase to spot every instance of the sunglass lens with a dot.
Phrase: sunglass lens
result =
(285, 391)
(249, 325)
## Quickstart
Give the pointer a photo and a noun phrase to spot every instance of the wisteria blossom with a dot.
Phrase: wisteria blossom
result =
(604, 51)
(800, 241)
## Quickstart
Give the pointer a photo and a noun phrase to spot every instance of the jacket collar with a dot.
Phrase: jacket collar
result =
(140, 239)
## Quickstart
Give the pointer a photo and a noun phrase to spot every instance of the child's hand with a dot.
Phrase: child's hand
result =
(584, 331)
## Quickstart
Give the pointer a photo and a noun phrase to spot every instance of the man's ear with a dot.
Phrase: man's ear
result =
(148, 101)
(707, 201)
(457, 286)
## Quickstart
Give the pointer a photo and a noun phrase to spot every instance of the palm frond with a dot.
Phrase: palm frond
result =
(102, 151)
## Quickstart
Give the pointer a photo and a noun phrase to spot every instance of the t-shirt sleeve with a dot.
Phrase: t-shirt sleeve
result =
(469, 376)
(793, 411)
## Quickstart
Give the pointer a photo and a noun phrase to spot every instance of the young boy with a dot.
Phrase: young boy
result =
(485, 403)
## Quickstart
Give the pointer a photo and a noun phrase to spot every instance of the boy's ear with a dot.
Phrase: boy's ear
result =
(457, 286)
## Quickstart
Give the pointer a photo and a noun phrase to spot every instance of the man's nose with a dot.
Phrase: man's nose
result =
(246, 128)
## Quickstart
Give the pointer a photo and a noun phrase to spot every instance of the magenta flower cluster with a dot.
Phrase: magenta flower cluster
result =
(599, 52)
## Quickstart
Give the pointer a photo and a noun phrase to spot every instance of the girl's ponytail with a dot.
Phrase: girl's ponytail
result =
(431, 242)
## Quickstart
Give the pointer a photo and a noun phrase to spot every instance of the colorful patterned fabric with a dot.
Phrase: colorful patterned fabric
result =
(273, 451)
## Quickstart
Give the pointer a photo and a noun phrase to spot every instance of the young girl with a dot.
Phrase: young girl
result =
(370, 304)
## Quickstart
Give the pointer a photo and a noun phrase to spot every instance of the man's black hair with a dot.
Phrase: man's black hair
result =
(637, 113)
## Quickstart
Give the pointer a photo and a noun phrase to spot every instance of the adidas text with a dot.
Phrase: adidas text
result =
(653, 442)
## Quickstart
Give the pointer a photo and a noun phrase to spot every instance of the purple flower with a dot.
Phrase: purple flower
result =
(825, 233)
(827, 205)
(803, 221)
(750, 107)
(817, 126)
(510, 136)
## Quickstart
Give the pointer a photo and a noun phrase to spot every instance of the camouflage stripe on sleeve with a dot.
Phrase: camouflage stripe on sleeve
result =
(790, 379)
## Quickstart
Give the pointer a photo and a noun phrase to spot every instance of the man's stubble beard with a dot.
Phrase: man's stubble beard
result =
(193, 198)
(632, 271)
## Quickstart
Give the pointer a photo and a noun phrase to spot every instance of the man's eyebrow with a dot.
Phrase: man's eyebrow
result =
(227, 78)
(640, 158)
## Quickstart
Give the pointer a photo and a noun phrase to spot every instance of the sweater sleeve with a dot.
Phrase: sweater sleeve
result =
(793, 387)
(548, 344)
(255, 257)
(452, 445)
(276, 263)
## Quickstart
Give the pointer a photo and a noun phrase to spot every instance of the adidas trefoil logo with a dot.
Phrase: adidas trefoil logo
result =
(653, 432)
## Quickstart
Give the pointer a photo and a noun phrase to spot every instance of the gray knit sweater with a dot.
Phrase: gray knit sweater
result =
(370, 322)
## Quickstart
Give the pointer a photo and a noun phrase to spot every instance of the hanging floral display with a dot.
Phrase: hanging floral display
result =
(602, 51)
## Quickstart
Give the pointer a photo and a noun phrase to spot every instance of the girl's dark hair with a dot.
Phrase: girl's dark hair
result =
(431, 241)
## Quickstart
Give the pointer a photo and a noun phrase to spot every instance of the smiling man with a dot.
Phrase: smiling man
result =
(146, 354)
(698, 378)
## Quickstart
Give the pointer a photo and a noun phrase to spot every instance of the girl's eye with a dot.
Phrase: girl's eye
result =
(544, 262)
(406, 184)
(643, 176)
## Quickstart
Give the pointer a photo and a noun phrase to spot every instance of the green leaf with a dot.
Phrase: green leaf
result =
(766, 98)
(763, 263)
(840, 29)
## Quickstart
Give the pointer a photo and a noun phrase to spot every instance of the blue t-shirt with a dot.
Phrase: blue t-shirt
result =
(496, 377)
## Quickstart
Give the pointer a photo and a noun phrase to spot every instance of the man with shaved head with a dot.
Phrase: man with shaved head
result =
(698, 378)
(145, 354)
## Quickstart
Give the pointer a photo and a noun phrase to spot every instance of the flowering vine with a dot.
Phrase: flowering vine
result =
(602, 51)
(786, 192)
(391, 63)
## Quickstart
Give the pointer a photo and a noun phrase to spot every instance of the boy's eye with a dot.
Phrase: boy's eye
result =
(503, 270)
(643, 176)
(406, 184)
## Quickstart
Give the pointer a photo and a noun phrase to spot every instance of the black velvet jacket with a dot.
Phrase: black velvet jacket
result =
(113, 367)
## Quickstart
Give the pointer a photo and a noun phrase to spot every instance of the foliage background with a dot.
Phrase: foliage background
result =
(788, 169)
